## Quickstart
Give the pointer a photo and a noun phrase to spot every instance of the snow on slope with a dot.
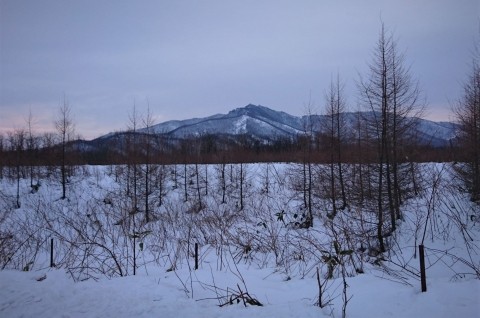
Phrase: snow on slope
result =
(263, 122)
(257, 120)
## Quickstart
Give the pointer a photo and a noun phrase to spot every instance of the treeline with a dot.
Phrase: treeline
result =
(212, 149)
(18, 148)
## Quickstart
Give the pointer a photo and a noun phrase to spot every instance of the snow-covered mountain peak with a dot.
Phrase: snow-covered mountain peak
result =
(264, 123)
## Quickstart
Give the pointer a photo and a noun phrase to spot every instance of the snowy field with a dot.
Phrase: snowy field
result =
(248, 222)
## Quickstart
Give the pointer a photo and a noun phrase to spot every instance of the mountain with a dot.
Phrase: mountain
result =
(263, 123)
(258, 121)
(250, 125)
(437, 134)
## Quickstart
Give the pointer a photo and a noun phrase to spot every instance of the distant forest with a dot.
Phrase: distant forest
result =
(19, 148)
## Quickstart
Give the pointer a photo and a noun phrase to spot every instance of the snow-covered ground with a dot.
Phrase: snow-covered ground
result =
(161, 294)
(279, 271)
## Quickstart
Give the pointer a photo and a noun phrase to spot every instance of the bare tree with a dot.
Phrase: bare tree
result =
(222, 179)
(308, 138)
(132, 157)
(65, 130)
(185, 152)
(335, 130)
(148, 123)
(393, 98)
(130, 202)
(46, 143)
(242, 176)
(467, 112)
(32, 147)
(2, 155)
(161, 177)
(17, 147)
(197, 183)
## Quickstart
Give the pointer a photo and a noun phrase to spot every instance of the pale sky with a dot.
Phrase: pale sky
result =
(189, 58)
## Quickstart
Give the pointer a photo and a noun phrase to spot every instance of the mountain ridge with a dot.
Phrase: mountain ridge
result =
(241, 119)
(264, 123)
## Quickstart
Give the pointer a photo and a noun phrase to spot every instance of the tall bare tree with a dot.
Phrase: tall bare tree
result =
(148, 123)
(65, 130)
(394, 101)
(307, 141)
(335, 131)
(133, 157)
(133, 176)
(32, 147)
